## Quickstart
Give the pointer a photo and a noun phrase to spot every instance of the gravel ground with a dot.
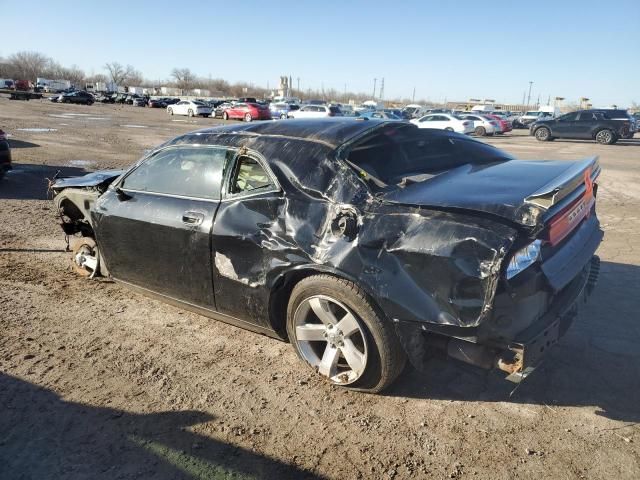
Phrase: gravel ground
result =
(97, 382)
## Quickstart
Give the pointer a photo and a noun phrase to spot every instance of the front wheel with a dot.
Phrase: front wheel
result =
(480, 131)
(283, 116)
(336, 330)
(190, 113)
(247, 117)
(606, 137)
(225, 116)
(170, 111)
(542, 134)
(85, 256)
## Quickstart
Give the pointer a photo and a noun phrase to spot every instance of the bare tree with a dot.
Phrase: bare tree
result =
(123, 75)
(184, 78)
(29, 65)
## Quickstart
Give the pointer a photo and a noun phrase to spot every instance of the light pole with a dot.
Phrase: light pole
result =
(529, 96)
(374, 87)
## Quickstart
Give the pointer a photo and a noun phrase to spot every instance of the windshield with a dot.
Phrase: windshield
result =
(532, 114)
(398, 155)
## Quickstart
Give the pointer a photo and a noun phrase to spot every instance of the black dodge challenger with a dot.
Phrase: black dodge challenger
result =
(362, 242)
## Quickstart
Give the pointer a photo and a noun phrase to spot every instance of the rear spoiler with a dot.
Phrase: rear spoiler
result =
(563, 185)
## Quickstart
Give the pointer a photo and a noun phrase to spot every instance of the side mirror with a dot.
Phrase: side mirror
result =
(121, 194)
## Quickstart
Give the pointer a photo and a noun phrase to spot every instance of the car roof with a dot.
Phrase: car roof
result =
(330, 131)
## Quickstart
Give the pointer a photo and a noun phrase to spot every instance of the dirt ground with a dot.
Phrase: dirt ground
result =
(97, 382)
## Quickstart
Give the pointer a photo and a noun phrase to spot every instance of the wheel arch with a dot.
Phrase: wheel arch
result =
(284, 283)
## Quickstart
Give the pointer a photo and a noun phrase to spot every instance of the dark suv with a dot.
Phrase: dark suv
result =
(583, 124)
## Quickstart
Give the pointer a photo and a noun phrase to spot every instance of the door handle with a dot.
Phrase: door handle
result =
(192, 218)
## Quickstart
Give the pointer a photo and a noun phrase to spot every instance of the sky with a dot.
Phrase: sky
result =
(453, 50)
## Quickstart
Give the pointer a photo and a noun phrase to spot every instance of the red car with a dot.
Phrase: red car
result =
(247, 112)
(505, 126)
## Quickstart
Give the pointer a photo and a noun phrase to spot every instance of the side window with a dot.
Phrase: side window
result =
(587, 116)
(427, 119)
(190, 172)
(249, 176)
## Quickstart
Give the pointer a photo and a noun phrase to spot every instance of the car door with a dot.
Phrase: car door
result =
(583, 126)
(153, 226)
(245, 250)
(565, 126)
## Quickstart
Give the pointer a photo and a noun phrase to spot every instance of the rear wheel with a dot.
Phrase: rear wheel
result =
(225, 116)
(337, 331)
(190, 113)
(480, 131)
(543, 134)
(170, 111)
(606, 137)
(248, 117)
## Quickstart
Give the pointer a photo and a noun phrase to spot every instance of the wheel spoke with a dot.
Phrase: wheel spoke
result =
(311, 332)
(323, 312)
(348, 325)
(329, 364)
(353, 356)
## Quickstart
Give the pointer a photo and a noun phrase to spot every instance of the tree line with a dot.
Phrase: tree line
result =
(28, 65)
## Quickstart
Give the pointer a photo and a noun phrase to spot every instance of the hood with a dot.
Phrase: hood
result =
(90, 180)
(519, 191)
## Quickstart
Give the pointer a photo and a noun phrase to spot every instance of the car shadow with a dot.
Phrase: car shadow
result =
(31, 181)
(13, 143)
(596, 364)
(45, 436)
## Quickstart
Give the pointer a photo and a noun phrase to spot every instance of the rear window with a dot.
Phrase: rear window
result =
(334, 110)
(397, 155)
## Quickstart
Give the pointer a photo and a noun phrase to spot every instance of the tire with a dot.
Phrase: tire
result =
(449, 129)
(170, 111)
(283, 116)
(190, 113)
(247, 117)
(379, 359)
(542, 134)
(606, 137)
(480, 131)
(225, 116)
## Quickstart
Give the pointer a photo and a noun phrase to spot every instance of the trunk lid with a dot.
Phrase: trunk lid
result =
(527, 192)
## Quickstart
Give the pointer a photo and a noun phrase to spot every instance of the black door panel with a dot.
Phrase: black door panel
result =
(146, 241)
(245, 252)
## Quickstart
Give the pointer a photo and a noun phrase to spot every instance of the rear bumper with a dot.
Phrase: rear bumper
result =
(529, 314)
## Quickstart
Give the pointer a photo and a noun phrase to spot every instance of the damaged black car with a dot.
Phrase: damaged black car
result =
(362, 242)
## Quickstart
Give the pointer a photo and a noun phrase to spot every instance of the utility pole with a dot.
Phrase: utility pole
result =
(538, 102)
(345, 92)
(413, 97)
(374, 87)
(524, 95)
(298, 89)
(382, 89)
(529, 96)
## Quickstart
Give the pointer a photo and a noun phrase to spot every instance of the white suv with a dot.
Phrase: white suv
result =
(315, 111)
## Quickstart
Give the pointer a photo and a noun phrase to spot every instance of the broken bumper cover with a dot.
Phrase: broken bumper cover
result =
(519, 357)
(527, 351)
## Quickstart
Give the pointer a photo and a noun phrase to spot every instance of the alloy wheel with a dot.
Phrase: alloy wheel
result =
(331, 339)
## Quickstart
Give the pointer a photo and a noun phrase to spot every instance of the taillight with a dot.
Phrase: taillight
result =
(466, 124)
